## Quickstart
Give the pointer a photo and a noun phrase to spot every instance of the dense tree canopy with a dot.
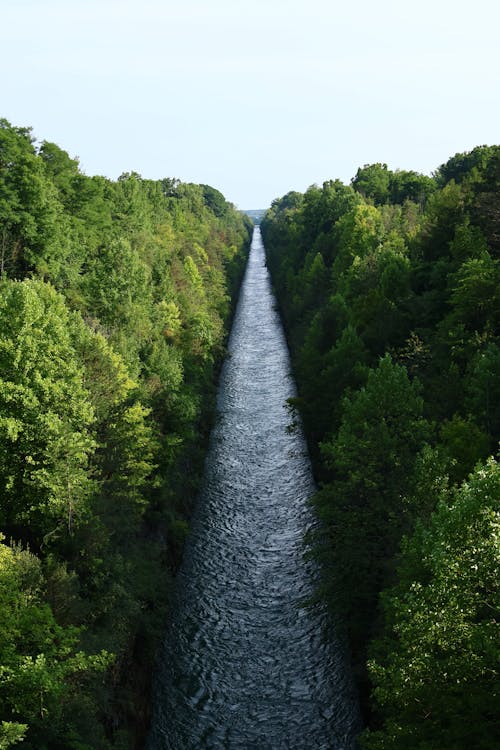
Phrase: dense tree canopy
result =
(389, 293)
(438, 666)
(115, 299)
(45, 414)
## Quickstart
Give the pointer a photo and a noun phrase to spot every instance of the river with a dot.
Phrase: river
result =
(244, 664)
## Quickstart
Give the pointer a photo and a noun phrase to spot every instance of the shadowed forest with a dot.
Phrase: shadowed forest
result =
(389, 289)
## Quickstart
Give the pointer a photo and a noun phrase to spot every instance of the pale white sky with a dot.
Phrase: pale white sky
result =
(255, 98)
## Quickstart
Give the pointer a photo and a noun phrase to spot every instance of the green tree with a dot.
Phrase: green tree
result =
(483, 390)
(45, 415)
(373, 181)
(365, 510)
(410, 186)
(476, 293)
(41, 668)
(374, 287)
(460, 166)
(29, 211)
(436, 670)
(357, 233)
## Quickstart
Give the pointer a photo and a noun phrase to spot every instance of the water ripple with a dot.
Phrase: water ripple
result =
(245, 664)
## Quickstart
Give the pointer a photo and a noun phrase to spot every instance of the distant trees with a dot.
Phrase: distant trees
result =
(28, 205)
(372, 181)
(388, 289)
(377, 183)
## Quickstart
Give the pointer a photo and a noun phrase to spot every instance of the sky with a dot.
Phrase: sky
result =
(254, 98)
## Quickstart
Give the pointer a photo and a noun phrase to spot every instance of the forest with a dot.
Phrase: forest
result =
(389, 289)
(115, 302)
(116, 298)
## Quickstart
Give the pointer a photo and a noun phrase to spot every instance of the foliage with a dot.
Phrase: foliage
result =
(389, 294)
(377, 183)
(364, 509)
(437, 667)
(29, 210)
(40, 667)
(115, 299)
(45, 415)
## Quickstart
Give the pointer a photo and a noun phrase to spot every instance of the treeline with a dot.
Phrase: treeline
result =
(114, 304)
(390, 293)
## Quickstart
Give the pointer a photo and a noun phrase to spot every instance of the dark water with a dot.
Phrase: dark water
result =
(244, 665)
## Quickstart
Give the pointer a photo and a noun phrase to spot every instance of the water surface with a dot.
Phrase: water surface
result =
(244, 664)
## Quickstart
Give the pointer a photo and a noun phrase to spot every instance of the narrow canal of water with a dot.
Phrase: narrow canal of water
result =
(244, 665)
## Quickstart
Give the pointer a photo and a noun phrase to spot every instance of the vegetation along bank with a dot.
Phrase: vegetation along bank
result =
(389, 290)
(115, 300)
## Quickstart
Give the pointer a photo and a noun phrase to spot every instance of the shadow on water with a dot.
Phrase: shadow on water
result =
(244, 664)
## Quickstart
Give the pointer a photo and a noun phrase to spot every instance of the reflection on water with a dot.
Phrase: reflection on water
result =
(244, 665)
